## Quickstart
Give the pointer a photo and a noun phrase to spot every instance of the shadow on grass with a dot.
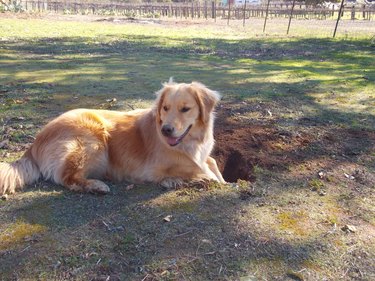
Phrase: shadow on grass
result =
(123, 235)
(133, 68)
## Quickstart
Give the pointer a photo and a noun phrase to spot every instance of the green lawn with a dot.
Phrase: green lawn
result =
(286, 225)
(56, 60)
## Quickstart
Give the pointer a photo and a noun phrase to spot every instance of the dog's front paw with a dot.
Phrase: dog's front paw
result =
(97, 186)
(172, 183)
(200, 183)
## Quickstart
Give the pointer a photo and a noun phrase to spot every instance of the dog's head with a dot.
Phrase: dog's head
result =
(182, 109)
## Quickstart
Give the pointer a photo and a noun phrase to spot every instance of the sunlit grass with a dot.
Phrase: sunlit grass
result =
(48, 67)
(17, 233)
(130, 61)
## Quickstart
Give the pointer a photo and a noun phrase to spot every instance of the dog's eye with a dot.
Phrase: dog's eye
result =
(185, 109)
(165, 108)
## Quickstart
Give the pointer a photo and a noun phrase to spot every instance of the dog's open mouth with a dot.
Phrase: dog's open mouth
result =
(175, 141)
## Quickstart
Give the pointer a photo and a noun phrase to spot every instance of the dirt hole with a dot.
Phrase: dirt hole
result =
(236, 167)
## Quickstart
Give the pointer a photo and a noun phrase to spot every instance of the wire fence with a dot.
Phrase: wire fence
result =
(207, 9)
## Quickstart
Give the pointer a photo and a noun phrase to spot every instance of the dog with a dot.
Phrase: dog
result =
(168, 144)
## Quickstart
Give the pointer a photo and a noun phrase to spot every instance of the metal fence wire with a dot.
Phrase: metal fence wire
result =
(205, 9)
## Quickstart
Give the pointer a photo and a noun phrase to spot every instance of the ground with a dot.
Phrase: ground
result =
(294, 136)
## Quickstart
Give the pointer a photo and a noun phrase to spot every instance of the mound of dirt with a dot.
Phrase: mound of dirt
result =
(240, 147)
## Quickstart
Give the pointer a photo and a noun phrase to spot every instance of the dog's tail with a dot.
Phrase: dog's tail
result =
(14, 176)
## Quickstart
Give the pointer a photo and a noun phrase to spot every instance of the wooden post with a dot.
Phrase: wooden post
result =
(291, 15)
(338, 18)
(228, 12)
(244, 14)
(205, 9)
(352, 16)
(265, 19)
(214, 10)
(192, 10)
(363, 12)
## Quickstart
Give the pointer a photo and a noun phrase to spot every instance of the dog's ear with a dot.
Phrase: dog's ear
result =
(160, 99)
(161, 93)
(206, 99)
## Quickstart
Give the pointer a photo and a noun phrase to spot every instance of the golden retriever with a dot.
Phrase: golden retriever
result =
(168, 144)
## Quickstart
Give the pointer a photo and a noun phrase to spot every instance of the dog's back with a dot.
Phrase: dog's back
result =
(67, 147)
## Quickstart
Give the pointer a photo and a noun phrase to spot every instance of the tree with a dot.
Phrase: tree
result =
(12, 5)
(315, 2)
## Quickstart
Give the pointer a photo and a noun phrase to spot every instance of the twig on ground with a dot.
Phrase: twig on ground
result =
(25, 249)
(145, 277)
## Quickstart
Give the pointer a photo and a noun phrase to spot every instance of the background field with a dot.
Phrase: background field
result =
(296, 121)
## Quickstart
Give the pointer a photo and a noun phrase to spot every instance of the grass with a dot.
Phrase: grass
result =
(52, 60)
(279, 226)
(17, 232)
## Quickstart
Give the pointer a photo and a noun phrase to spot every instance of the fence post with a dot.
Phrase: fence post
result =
(214, 9)
(244, 14)
(265, 19)
(352, 16)
(291, 15)
(363, 11)
(338, 17)
(228, 12)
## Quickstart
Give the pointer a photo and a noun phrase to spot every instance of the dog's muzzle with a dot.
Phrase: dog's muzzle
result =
(168, 130)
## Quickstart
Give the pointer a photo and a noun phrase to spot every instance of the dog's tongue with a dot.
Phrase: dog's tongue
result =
(172, 141)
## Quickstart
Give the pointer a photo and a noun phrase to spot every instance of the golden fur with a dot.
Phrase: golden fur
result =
(167, 144)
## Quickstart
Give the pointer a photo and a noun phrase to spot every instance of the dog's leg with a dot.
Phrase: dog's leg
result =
(211, 162)
(80, 184)
(172, 183)
(177, 175)
(75, 170)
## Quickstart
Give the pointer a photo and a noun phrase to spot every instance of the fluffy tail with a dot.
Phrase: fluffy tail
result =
(14, 176)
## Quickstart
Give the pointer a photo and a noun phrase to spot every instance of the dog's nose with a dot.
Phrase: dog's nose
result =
(167, 130)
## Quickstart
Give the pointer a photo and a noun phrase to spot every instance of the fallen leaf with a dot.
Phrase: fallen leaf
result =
(349, 228)
(167, 218)
(18, 101)
(295, 275)
(322, 192)
(129, 187)
(164, 272)
(4, 197)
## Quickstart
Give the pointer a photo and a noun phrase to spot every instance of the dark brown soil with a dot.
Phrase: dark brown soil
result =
(240, 147)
